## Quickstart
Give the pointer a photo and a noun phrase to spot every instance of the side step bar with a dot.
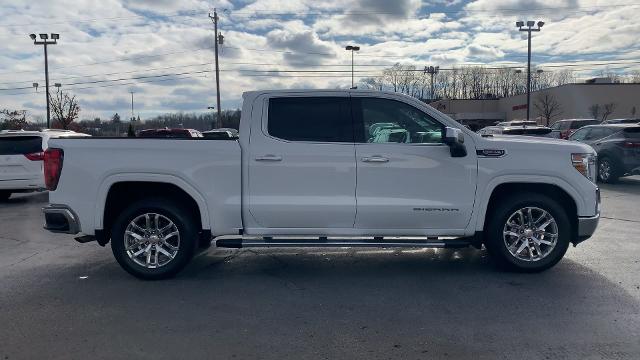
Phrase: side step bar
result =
(323, 242)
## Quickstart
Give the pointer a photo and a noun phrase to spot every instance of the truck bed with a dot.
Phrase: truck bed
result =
(209, 168)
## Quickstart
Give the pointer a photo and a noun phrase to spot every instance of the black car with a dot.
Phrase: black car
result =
(618, 148)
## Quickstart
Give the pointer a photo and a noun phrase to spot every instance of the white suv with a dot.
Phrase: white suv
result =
(21, 155)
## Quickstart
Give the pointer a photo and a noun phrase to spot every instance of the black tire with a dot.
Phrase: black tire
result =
(5, 195)
(180, 216)
(495, 243)
(613, 174)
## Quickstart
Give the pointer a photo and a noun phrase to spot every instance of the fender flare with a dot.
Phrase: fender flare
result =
(532, 179)
(109, 181)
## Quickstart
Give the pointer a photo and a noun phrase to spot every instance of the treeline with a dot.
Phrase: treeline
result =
(474, 82)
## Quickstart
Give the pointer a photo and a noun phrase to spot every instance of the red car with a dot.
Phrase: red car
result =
(564, 128)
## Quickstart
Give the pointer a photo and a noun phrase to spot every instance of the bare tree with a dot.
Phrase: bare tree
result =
(548, 107)
(65, 108)
(13, 119)
(608, 109)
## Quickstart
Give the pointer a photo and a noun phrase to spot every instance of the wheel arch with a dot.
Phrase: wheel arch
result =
(567, 197)
(137, 186)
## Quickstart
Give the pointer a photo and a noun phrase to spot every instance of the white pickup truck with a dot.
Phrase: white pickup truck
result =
(341, 168)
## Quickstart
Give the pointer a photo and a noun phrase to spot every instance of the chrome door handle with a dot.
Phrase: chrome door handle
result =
(269, 157)
(375, 159)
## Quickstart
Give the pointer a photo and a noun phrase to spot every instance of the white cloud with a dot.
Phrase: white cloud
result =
(159, 37)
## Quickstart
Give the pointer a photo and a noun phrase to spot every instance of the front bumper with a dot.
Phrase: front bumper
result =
(61, 219)
(587, 225)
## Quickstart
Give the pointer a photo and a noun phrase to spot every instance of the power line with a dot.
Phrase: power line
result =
(575, 9)
(64, 22)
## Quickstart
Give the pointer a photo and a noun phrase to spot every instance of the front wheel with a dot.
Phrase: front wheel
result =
(607, 170)
(528, 233)
(154, 239)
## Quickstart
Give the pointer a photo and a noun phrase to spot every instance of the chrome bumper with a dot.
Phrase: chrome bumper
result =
(60, 219)
(587, 226)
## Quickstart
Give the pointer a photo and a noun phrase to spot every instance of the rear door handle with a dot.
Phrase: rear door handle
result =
(269, 157)
(375, 159)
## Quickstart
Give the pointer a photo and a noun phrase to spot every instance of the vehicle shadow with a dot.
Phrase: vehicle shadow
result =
(25, 198)
(628, 185)
(332, 303)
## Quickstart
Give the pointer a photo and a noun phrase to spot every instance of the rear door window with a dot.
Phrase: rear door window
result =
(579, 124)
(632, 132)
(317, 119)
(20, 145)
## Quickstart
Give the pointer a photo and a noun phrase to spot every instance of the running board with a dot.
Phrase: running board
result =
(323, 242)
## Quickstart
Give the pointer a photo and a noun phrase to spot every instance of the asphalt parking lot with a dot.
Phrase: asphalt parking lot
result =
(60, 299)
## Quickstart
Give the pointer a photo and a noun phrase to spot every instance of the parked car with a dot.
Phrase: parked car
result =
(517, 123)
(303, 170)
(562, 129)
(221, 133)
(169, 133)
(618, 148)
(515, 130)
(21, 159)
(622, 121)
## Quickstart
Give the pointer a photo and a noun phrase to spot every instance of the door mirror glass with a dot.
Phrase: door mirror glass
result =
(454, 137)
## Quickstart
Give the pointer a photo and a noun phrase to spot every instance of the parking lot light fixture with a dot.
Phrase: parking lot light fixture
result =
(44, 41)
(353, 49)
(529, 28)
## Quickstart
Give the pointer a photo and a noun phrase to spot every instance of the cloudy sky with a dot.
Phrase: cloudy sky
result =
(162, 49)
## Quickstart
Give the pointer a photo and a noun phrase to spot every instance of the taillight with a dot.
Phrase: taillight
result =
(53, 159)
(37, 156)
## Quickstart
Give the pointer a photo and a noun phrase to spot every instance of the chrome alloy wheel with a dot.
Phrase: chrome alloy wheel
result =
(604, 170)
(530, 234)
(152, 240)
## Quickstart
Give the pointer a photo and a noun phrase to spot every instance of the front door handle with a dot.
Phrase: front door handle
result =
(269, 157)
(375, 159)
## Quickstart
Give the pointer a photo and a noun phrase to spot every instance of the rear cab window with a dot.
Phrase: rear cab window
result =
(312, 119)
(20, 145)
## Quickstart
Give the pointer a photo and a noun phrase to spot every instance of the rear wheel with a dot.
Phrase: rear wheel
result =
(528, 233)
(154, 239)
(607, 170)
(5, 195)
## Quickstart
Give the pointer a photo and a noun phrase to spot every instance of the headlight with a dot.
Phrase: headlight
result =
(585, 164)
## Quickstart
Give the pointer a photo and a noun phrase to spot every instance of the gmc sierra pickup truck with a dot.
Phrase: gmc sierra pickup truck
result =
(341, 168)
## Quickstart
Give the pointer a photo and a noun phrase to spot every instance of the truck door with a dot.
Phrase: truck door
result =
(407, 178)
(302, 171)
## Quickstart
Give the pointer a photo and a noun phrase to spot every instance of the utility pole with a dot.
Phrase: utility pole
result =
(353, 49)
(529, 29)
(132, 115)
(214, 18)
(44, 40)
(432, 70)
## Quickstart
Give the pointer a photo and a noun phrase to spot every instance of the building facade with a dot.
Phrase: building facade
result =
(571, 101)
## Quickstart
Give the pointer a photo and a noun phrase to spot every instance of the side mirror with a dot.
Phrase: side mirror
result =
(454, 137)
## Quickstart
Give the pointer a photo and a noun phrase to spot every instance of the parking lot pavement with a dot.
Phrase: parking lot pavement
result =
(60, 299)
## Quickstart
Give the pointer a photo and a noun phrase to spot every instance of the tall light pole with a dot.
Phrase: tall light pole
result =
(219, 39)
(352, 48)
(132, 115)
(214, 122)
(529, 28)
(44, 40)
(431, 70)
